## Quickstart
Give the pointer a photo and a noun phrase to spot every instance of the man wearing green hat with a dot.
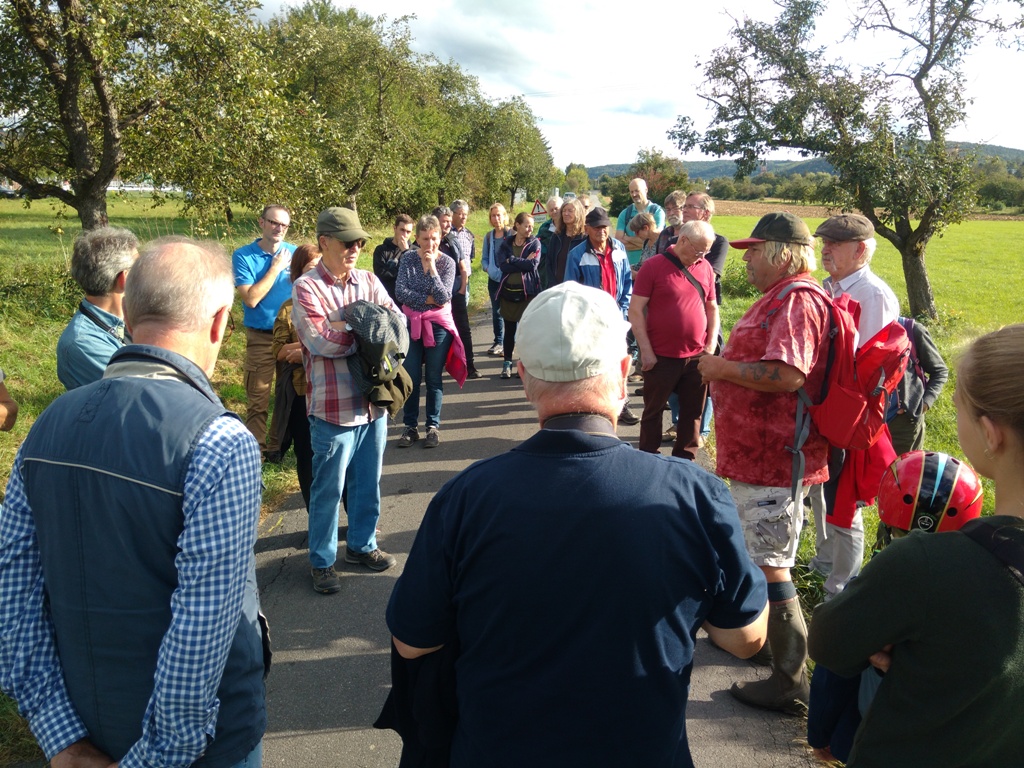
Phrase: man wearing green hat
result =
(347, 431)
(778, 346)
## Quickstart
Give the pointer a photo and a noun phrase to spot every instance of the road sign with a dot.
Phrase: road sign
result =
(538, 209)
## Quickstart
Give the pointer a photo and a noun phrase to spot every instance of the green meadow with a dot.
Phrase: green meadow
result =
(974, 271)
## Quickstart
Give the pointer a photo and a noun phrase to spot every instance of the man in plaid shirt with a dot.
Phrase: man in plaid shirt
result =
(129, 619)
(348, 432)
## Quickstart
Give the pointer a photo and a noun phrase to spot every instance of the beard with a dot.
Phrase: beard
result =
(675, 220)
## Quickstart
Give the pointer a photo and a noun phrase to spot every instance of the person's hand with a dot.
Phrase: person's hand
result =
(82, 754)
(710, 368)
(647, 360)
(824, 754)
(294, 356)
(883, 659)
(281, 260)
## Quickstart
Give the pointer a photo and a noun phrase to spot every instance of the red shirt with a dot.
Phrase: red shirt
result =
(752, 429)
(677, 320)
(609, 279)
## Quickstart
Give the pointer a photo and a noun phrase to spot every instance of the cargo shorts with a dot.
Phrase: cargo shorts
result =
(771, 523)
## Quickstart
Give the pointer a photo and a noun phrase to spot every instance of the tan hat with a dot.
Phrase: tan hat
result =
(341, 224)
(571, 332)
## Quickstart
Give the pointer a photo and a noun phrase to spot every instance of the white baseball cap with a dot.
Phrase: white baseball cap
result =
(571, 332)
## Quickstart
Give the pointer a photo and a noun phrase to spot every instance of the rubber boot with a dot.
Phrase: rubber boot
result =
(787, 690)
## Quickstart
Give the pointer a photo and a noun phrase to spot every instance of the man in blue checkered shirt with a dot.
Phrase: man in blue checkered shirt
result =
(129, 620)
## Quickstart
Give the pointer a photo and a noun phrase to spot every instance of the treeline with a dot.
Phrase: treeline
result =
(321, 105)
(383, 129)
(1000, 183)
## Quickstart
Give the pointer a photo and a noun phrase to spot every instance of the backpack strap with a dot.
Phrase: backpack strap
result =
(685, 271)
(908, 325)
(1005, 545)
(802, 428)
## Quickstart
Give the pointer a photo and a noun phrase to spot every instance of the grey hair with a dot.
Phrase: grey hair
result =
(439, 211)
(801, 257)
(459, 205)
(178, 283)
(869, 250)
(692, 230)
(596, 393)
(427, 223)
(99, 256)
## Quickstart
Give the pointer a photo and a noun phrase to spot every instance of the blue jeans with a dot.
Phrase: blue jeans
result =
(496, 319)
(434, 357)
(253, 760)
(357, 452)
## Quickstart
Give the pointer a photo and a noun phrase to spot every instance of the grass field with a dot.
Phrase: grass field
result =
(974, 271)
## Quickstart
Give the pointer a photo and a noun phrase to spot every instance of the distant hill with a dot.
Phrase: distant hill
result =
(713, 169)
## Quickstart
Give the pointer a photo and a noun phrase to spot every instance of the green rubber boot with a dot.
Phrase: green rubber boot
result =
(787, 690)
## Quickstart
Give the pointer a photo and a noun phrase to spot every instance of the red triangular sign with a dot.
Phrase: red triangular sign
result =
(538, 209)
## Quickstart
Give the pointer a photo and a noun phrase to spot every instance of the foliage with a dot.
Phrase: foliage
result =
(883, 128)
(101, 87)
(662, 173)
(576, 178)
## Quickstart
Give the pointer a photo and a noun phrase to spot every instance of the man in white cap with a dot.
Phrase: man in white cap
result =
(552, 639)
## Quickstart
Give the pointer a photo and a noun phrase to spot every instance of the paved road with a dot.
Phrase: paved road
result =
(331, 660)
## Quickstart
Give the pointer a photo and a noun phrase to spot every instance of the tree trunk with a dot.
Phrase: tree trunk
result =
(919, 289)
(92, 209)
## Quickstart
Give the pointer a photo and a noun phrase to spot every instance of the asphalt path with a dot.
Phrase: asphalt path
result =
(332, 652)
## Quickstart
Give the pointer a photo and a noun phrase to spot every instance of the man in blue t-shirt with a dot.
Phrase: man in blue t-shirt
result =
(262, 279)
(635, 245)
(563, 656)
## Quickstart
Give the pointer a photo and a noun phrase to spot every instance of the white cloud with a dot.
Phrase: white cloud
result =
(605, 81)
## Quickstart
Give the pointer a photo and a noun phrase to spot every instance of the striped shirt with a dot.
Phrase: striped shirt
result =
(319, 299)
(221, 510)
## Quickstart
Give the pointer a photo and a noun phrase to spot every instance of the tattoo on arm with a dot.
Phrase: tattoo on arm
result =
(759, 372)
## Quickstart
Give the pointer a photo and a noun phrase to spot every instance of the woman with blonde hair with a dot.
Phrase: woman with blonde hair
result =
(492, 242)
(568, 234)
(943, 614)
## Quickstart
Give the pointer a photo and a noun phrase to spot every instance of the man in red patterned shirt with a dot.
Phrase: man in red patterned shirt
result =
(778, 346)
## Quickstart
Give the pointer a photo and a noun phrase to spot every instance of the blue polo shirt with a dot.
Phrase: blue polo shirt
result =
(574, 572)
(84, 348)
(250, 263)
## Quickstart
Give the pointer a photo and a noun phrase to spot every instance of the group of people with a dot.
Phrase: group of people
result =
(554, 657)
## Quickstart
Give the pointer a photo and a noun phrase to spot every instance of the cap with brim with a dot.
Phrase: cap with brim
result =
(571, 332)
(341, 224)
(778, 227)
(846, 227)
(597, 218)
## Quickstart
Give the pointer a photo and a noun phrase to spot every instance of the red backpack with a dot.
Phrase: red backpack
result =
(858, 382)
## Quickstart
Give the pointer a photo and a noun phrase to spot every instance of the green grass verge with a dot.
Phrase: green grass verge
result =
(973, 271)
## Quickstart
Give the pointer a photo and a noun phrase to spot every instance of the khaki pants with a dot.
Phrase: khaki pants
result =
(259, 382)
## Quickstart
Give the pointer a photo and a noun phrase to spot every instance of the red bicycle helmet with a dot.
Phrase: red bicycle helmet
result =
(928, 491)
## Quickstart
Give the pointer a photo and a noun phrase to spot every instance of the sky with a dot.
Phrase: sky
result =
(607, 79)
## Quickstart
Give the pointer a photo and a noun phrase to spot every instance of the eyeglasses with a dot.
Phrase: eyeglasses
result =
(231, 326)
(698, 254)
(689, 207)
(277, 224)
(350, 244)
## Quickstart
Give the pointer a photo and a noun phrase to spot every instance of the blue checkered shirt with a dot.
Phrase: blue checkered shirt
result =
(221, 509)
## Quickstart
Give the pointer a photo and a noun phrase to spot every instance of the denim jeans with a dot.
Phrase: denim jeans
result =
(496, 319)
(434, 358)
(356, 452)
(253, 760)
